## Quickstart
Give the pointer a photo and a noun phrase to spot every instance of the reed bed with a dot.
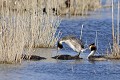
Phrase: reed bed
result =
(11, 37)
(115, 48)
(43, 27)
(77, 7)
(61, 7)
(23, 24)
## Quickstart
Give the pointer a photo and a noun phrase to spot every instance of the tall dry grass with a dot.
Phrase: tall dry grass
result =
(12, 35)
(23, 24)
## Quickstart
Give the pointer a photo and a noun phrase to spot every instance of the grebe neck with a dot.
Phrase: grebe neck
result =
(91, 53)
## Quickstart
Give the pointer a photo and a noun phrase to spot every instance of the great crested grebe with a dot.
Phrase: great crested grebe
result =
(91, 56)
(74, 43)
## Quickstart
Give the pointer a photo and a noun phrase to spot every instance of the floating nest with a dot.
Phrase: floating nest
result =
(97, 58)
(66, 57)
(32, 57)
(112, 57)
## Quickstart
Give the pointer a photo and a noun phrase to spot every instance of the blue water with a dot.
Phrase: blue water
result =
(99, 21)
(51, 69)
(61, 70)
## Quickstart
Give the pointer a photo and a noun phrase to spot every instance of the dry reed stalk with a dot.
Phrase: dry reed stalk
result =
(113, 33)
(118, 24)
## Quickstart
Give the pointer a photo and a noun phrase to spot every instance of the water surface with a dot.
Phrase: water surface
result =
(51, 69)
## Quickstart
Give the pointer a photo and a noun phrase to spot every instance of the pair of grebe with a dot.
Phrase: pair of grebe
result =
(78, 46)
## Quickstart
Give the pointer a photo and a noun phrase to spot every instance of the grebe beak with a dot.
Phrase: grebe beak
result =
(84, 50)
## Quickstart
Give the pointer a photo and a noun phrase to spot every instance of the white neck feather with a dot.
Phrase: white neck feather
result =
(91, 53)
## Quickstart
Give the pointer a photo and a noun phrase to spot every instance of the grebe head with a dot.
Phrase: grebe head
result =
(59, 45)
(92, 57)
(92, 47)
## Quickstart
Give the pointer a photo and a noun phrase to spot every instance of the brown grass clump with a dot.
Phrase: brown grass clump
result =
(115, 52)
